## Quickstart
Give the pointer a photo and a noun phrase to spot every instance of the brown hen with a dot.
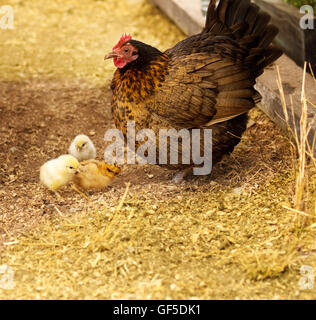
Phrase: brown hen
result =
(205, 81)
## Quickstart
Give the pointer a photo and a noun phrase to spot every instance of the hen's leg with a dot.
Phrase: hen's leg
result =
(178, 177)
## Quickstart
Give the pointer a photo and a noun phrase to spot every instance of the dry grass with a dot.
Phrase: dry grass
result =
(228, 236)
(304, 202)
(70, 38)
(217, 244)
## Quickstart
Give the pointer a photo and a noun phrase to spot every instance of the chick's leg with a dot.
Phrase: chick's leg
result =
(57, 194)
(80, 192)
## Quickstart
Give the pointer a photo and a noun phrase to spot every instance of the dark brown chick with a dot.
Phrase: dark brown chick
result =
(205, 81)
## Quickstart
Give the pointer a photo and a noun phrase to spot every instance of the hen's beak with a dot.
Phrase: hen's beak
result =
(111, 55)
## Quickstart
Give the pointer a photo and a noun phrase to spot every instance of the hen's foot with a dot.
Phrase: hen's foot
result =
(179, 177)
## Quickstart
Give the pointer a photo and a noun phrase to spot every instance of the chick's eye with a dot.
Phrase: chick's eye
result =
(71, 167)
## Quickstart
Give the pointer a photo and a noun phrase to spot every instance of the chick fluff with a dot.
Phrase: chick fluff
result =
(82, 148)
(58, 172)
(94, 174)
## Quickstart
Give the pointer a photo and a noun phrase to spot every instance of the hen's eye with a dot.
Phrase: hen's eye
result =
(126, 50)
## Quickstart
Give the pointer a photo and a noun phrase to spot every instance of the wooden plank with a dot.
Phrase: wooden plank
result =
(297, 43)
(187, 15)
(191, 21)
(292, 77)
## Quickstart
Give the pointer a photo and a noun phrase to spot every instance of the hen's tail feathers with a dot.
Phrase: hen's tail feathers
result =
(249, 26)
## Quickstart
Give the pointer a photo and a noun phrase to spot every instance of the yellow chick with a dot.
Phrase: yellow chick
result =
(58, 172)
(94, 174)
(82, 148)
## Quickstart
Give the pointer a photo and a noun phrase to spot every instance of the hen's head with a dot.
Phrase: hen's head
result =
(128, 50)
(123, 52)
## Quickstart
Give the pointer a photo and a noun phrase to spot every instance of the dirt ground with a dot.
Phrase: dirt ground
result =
(39, 120)
(224, 236)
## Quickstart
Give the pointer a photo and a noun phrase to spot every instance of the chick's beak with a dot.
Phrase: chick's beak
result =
(78, 169)
(111, 55)
(79, 146)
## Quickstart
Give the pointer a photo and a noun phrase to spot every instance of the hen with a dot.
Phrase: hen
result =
(205, 81)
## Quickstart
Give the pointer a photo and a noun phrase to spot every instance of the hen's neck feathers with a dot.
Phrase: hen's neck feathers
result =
(146, 55)
(140, 79)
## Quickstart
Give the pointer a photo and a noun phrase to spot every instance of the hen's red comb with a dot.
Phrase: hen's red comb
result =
(124, 38)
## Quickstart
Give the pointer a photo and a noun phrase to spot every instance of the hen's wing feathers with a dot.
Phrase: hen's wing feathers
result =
(212, 74)
(202, 89)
